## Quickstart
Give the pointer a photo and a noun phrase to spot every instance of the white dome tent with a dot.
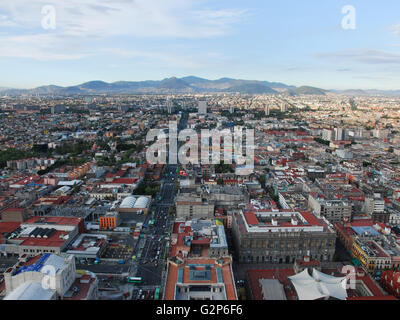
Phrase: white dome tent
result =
(128, 202)
(319, 286)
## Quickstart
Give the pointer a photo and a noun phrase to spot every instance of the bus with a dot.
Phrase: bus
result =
(157, 294)
(135, 279)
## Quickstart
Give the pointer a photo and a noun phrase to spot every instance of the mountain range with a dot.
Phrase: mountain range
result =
(184, 85)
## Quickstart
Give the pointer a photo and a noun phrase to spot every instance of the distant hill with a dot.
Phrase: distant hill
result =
(252, 88)
(174, 84)
(306, 90)
(190, 84)
(357, 92)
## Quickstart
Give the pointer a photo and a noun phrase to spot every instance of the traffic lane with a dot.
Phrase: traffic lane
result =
(150, 274)
(105, 268)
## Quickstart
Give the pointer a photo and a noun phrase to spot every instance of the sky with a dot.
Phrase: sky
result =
(67, 42)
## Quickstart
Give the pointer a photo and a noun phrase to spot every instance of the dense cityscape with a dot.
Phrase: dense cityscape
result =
(86, 216)
(199, 158)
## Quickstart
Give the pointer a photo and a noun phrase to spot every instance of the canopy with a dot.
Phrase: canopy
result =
(319, 285)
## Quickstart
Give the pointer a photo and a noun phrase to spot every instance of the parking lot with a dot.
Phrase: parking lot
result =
(120, 247)
(120, 252)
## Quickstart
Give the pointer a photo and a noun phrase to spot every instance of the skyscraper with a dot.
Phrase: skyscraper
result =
(267, 110)
(202, 107)
(170, 105)
(339, 134)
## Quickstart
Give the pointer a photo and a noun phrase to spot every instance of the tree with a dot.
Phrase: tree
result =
(262, 180)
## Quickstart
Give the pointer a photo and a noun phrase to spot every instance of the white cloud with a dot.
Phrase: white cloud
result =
(172, 18)
(396, 29)
(80, 21)
(364, 56)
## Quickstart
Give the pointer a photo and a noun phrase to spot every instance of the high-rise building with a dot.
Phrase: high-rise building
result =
(340, 134)
(267, 110)
(202, 107)
(170, 105)
(327, 134)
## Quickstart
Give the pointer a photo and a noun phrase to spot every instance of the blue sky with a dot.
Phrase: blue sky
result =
(295, 42)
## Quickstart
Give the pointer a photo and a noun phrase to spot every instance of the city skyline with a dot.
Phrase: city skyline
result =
(297, 44)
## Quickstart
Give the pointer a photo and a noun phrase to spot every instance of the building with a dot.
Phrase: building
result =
(312, 284)
(89, 246)
(390, 281)
(39, 235)
(202, 107)
(14, 215)
(199, 238)
(344, 154)
(199, 279)
(197, 203)
(339, 134)
(301, 264)
(170, 106)
(375, 208)
(282, 237)
(266, 110)
(110, 221)
(193, 207)
(292, 201)
(327, 134)
(334, 210)
(134, 204)
(48, 277)
(371, 255)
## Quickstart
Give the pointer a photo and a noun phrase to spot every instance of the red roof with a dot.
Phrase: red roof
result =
(251, 219)
(53, 241)
(201, 241)
(124, 181)
(311, 219)
(67, 221)
(7, 227)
